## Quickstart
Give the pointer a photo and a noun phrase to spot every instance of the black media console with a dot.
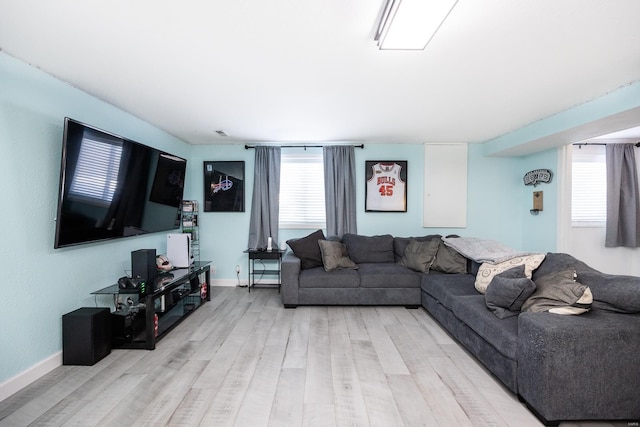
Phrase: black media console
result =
(140, 321)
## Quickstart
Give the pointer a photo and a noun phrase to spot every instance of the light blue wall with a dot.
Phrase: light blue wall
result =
(498, 203)
(539, 231)
(223, 235)
(40, 284)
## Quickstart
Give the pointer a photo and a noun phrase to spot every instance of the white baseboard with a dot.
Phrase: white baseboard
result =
(228, 282)
(23, 379)
(243, 283)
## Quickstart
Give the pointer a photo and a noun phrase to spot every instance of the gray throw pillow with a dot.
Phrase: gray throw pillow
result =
(508, 291)
(307, 249)
(400, 244)
(448, 260)
(559, 293)
(419, 256)
(334, 255)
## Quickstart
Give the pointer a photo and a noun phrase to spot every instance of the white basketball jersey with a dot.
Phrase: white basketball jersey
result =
(385, 189)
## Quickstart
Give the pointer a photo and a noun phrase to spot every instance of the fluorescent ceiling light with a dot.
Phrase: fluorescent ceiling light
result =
(411, 24)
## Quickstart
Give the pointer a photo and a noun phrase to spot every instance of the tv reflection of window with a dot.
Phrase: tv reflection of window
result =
(95, 178)
(168, 183)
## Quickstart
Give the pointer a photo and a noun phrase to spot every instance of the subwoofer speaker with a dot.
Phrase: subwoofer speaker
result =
(86, 336)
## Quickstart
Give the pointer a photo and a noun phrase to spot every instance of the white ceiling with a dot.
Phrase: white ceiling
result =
(631, 133)
(308, 70)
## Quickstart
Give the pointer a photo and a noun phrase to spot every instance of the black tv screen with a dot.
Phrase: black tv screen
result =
(112, 187)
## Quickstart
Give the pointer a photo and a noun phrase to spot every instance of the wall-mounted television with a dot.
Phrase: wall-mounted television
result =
(113, 187)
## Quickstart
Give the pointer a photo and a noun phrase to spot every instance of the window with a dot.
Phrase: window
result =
(589, 186)
(302, 190)
(96, 175)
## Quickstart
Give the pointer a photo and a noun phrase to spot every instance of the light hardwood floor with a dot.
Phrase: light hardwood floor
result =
(244, 360)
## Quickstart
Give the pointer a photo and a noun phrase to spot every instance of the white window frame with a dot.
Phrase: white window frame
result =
(302, 204)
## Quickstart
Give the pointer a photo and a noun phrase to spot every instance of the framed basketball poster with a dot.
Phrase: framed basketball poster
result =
(385, 186)
(224, 186)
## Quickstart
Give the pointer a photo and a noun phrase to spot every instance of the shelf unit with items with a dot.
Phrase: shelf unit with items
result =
(140, 321)
(189, 213)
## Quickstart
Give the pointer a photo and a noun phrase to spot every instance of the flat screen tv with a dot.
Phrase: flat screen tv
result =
(112, 187)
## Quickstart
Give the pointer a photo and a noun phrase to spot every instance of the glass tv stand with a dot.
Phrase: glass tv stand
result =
(139, 321)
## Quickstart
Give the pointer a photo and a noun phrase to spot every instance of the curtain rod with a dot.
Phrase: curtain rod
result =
(246, 147)
(637, 144)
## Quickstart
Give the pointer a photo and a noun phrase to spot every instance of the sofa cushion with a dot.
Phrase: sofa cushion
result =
(488, 271)
(419, 256)
(369, 248)
(559, 293)
(400, 244)
(447, 287)
(334, 255)
(613, 292)
(580, 367)
(502, 334)
(554, 262)
(448, 260)
(388, 275)
(307, 249)
(508, 291)
(319, 278)
(610, 292)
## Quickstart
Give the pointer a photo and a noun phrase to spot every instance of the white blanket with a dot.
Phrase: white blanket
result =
(482, 250)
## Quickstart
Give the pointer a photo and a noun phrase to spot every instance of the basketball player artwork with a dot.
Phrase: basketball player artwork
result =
(386, 189)
(224, 186)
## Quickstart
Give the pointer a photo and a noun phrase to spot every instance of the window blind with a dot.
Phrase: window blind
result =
(302, 190)
(589, 186)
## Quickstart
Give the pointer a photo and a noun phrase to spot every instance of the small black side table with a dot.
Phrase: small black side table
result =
(262, 255)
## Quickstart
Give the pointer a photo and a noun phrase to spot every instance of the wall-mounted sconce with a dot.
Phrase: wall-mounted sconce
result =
(537, 203)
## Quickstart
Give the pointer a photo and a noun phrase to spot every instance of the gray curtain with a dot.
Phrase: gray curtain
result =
(340, 189)
(265, 205)
(623, 203)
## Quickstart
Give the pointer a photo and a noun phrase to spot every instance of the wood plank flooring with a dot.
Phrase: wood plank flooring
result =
(244, 360)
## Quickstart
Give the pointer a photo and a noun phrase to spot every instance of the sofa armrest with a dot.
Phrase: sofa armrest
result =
(580, 367)
(290, 280)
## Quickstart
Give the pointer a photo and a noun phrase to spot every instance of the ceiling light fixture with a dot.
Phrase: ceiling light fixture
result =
(411, 24)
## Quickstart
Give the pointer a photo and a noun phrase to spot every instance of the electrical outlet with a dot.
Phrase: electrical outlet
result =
(237, 269)
(212, 269)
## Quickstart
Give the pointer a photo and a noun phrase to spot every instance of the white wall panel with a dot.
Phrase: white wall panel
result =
(445, 185)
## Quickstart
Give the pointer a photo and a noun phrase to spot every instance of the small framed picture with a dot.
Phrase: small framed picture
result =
(385, 186)
(224, 186)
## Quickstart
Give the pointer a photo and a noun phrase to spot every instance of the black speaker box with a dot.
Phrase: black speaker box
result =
(143, 266)
(125, 327)
(86, 336)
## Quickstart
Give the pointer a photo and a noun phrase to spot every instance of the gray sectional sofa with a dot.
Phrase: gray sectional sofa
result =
(378, 280)
(564, 367)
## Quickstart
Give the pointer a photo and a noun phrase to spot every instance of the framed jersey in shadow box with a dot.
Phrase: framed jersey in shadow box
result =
(224, 186)
(386, 186)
